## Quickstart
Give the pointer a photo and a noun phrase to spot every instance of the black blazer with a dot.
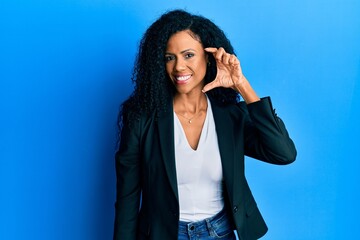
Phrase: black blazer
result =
(146, 174)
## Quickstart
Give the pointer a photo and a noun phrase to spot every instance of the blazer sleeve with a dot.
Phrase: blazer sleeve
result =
(128, 189)
(266, 137)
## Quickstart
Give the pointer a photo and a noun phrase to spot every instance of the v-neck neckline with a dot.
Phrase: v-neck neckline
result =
(205, 125)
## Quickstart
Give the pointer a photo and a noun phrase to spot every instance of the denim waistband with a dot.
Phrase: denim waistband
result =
(204, 225)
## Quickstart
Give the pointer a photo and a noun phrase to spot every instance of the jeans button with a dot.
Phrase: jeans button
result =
(192, 228)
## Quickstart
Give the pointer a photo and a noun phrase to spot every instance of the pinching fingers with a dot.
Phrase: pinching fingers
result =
(233, 60)
(226, 58)
(221, 55)
(217, 52)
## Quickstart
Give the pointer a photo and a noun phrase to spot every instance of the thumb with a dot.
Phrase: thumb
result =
(210, 86)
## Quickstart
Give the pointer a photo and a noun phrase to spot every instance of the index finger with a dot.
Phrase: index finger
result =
(211, 49)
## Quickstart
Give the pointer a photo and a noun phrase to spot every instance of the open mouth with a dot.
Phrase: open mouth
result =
(182, 79)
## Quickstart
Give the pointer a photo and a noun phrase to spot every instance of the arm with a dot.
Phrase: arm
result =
(128, 184)
(266, 137)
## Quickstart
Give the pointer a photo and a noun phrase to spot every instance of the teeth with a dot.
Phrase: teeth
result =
(183, 78)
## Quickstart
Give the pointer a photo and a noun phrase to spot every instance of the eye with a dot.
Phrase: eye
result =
(169, 58)
(189, 55)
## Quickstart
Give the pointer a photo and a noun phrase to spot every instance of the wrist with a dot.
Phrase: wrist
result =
(244, 88)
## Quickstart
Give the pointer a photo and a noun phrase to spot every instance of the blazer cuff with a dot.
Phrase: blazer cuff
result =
(264, 104)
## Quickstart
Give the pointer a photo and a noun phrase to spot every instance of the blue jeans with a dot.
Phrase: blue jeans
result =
(216, 227)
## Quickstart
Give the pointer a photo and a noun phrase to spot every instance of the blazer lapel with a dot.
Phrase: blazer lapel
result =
(226, 145)
(166, 135)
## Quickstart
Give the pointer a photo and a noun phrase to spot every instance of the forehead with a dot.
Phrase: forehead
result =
(183, 40)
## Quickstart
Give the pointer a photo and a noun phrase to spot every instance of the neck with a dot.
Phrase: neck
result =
(190, 103)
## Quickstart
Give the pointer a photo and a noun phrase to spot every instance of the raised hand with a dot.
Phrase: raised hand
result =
(229, 75)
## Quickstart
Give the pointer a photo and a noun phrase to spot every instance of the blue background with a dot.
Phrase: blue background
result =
(65, 67)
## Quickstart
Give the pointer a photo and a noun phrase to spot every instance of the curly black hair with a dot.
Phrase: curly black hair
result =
(153, 88)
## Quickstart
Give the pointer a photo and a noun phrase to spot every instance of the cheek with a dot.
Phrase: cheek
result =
(202, 67)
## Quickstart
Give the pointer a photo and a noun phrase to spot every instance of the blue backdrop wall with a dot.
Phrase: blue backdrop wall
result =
(65, 67)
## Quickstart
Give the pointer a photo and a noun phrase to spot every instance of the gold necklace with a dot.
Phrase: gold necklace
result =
(189, 119)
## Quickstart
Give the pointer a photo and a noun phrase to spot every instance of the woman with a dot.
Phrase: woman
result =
(180, 163)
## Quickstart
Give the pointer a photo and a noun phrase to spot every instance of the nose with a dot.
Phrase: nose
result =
(179, 65)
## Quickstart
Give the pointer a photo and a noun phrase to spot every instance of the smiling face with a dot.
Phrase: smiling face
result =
(186, 62)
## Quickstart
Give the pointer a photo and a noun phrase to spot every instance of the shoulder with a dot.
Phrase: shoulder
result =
(241, 111)
(229, 115)
(244, 108)
(238, 109)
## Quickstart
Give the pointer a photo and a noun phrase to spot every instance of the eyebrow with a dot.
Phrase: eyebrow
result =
(183, 51)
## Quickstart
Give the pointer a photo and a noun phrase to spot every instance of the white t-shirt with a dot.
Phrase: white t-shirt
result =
(199, 172)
